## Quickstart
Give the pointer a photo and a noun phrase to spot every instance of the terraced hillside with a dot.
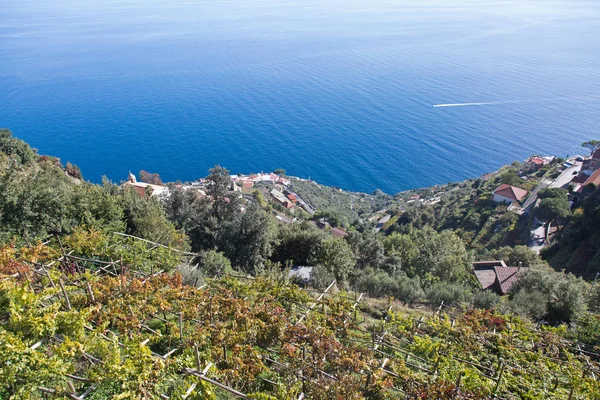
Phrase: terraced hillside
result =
(115, 320)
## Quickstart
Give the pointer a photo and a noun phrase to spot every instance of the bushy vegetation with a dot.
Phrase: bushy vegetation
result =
(467, 209)
(577, 249)
(38, 198)
(129, 336)
(346, 207)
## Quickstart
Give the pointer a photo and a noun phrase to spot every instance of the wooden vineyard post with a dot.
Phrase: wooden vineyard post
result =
(437, 362)
(440, 308)
(316, 302)
(197, 356)
(458, 381)
(90, 292)
(64, 291)
(499, 379)
(571, 392)
(181, 326)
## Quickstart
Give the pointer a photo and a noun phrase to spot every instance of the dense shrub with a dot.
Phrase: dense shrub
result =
(485, 299)
(321, 277)
(529, 304)
(378, 283)
(452, 294)
(543, 293)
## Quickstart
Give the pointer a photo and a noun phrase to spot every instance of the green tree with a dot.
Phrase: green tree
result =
(298, 243)
(591, 145)
(248, 241)
(35, 202)
(260, 199)
(553, 193)
(336, 256)
(145, 217)
(564, 295)
(367, 248)
(400, 251)
(451, 293)
(279, 171)
(215, 263)
(513, 256)
(532, 305)
(552, 208)
(511, 178)
(15, 148)
(442, 255)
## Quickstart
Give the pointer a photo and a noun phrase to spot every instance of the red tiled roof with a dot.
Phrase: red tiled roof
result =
(511, 192)
(140, 190)
(495, 275)
(486, 277)
(507, 276)
(594, 178)
(338, 232)
(485, 273)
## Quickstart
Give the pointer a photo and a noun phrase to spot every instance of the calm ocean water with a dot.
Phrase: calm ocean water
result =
(339, 91)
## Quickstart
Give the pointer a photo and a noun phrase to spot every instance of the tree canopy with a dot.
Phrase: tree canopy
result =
(591, 145)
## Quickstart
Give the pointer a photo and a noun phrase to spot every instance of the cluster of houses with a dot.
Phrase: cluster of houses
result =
(514, 195)
(248, 181)
(280, 194)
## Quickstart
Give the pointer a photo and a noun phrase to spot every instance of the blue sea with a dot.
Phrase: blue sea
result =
(339, 91)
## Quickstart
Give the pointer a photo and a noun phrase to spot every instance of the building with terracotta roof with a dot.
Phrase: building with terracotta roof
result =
(496, 276)
(594, 179)
(534, 163)
(247, 184)
(144, 189)
(508, 194)
(337, 232)
(292, 198)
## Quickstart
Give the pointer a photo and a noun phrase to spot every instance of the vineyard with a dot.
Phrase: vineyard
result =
(96, 317)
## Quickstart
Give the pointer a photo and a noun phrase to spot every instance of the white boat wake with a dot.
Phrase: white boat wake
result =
(471, 104)
(490, 103)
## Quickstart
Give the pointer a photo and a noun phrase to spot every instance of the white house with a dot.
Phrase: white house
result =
(508, 194)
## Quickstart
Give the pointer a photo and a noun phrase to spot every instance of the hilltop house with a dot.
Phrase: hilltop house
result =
(534, 163)
(508, 194)
(496, 276)
(143, 188)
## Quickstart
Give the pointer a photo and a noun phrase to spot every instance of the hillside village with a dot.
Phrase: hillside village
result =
(275, 192)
